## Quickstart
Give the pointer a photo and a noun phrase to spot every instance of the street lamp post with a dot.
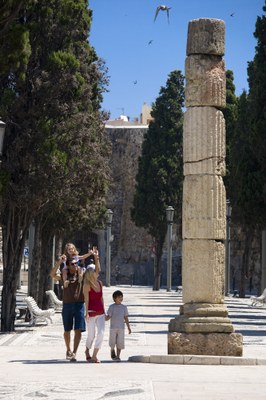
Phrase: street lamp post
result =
(108, 246)
(2, 134)
(227, 248)
(169, 218)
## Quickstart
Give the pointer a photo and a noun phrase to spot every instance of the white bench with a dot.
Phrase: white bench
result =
(36, 313)
(260, 300)
(54, 300)
(20, 312)
(179, 290)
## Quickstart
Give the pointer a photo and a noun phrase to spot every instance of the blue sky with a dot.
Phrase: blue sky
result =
(122, 29)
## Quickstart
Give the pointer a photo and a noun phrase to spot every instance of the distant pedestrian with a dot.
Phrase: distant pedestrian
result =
(118, 314)
(94, 313)
(117, 274)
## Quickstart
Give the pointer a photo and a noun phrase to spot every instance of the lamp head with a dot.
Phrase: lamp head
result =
(228, 208)
(2, 134)
(109, 216)
(170, 214)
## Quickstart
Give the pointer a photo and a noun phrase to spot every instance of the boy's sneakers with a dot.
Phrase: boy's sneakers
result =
(117, 359)
(113, 355)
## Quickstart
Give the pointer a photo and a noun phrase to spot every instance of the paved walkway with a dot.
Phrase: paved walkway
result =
(33, 365)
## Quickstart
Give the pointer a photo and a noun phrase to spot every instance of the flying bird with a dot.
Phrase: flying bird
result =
(150, 42)
(231, 15)
(162, 8)
(135, 82)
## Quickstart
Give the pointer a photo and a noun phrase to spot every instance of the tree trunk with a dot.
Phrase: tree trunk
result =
(46, 266)
(157, 275)
(58, 252)
(35, 263)
(14, 235)
(245, 262)
(157, 265)
(41, 262)
(58, 247)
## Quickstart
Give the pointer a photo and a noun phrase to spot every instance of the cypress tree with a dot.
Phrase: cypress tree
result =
(257, 98)
(246, 181)
(160, 171)
(230, 115)
(55, 150)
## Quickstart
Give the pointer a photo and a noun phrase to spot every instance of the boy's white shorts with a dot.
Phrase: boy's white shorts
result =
(117, 337)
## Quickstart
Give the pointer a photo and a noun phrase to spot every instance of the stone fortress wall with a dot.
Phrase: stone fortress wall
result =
(132, 246)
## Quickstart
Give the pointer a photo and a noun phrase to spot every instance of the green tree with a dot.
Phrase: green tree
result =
(230, 115)
(14, 38)
(247, 154)
(160, 172)
(55, 155)
(243, 184)
(257, 99)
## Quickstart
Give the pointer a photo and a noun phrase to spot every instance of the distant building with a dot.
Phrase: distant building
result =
(145, 116)
(124, 122)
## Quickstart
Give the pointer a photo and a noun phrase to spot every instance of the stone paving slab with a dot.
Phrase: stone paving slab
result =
(33, 365)
(97, 390)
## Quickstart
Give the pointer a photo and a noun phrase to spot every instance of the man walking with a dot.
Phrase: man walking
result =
(73, 307)
(73, 300)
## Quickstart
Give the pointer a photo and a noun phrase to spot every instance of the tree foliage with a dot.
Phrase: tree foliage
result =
(55, 151)
(160, 171)
(14, 38)
(244, 191)
(230, 115)
(257, 99)
(247, 157)
(246, 182)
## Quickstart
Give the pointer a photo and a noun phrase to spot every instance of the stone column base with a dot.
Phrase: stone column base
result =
(211, 344)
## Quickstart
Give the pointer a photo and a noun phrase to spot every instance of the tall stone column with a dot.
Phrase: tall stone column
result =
(203, 326)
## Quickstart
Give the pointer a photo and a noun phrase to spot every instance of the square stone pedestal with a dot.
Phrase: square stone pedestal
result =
(213, 344)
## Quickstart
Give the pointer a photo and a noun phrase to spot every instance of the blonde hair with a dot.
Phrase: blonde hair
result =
(89, 278)
(75, 252)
